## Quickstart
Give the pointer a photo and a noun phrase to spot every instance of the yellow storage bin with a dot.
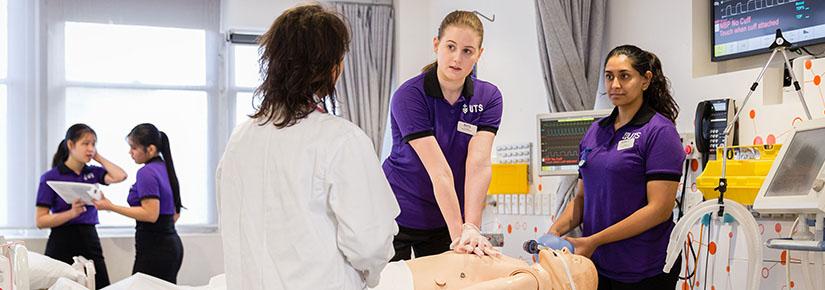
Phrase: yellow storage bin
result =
(747, 168)
(509, 179)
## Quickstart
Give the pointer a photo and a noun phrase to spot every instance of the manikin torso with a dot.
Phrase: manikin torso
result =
(451, 270)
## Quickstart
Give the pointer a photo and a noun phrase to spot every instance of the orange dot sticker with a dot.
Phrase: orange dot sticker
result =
(752, 114)
(712, 248)
(808, 64)
(817, 80)
(509, 229)
(758, 140)
(792, 284)
(727, 269)
(539, 187)
(685, 285)
(771, 140)
(783, 258)
(694, 165)
(777, 228)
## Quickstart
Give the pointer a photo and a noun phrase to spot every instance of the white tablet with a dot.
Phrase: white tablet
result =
(72, 191)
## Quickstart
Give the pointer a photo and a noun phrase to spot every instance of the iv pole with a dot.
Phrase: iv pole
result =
(780, 44)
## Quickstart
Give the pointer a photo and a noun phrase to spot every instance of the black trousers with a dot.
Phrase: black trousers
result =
(664, 281)
(158, 249)
(67, 241)
(423, 242)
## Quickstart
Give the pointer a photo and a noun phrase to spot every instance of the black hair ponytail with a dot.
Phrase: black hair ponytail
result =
(657, 95)
(74, 133)
(166, 152)
(147, 134)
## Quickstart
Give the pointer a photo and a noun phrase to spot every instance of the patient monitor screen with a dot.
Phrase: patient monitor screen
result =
(560, 143)
(800, 165)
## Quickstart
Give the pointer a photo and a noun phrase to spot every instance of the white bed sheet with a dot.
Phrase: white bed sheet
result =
(142, 281)
(396, 276)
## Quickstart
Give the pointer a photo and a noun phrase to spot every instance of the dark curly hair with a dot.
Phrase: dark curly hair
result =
(301, 58)
(657, 95)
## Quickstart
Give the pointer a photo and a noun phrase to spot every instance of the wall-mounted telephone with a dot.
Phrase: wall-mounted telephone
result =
(711, 119)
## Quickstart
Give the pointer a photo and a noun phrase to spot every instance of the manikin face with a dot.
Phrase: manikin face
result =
(623, 83)
(141, 154)
(84, 149)
(457, 52)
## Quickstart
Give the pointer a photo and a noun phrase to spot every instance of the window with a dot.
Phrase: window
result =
(129, 54)
(112, 67)
(4, 119)
(3, 153)
(119, 76)
(112, 113)
(245, 77)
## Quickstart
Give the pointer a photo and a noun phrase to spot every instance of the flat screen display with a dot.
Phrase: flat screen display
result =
(560, 142)
(800, 165)
(747, 27)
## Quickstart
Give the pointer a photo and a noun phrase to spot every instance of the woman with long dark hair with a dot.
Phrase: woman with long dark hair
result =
(154, 202)
(72, 225)
(630, 166)
(302, 200)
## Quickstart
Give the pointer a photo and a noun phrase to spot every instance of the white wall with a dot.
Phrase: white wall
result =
(257, 15)
(510, 58)
(202, 257)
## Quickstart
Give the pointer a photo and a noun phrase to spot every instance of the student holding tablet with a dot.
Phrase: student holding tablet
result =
(154, 202)
(72, 226)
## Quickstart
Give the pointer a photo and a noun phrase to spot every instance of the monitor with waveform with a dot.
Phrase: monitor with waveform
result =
(559, 137)
(747, 27)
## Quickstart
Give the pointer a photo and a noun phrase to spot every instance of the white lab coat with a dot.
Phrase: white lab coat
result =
(304, 207)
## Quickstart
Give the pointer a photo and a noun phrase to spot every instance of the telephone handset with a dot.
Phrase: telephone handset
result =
(711, 119)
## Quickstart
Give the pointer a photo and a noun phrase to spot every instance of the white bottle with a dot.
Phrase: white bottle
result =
(20, 267)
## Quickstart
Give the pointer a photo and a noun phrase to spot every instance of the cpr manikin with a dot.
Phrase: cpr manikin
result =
(452, 270)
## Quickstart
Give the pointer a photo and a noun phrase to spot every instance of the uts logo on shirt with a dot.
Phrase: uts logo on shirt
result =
(472, 108)
(633, 135)
(88, 176)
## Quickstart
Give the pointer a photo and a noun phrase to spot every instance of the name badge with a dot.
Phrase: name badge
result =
(467, 128)
(626, 143)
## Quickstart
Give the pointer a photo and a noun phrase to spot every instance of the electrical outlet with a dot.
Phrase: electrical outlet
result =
(529, 205)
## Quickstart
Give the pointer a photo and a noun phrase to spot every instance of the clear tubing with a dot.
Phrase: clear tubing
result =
(742, 215)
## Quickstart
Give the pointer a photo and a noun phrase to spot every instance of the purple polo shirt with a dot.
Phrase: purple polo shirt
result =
(418, 109)
(615, 176)
(46, 197)
(152, 181)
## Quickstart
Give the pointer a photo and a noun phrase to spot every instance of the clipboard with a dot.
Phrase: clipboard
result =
(73, 191)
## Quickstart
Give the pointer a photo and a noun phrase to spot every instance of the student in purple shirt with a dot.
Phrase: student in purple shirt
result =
(630, 165)
(443, 125)
(72, 226)
(154, 202)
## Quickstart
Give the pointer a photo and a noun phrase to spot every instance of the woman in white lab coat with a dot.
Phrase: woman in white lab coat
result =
(303, 202)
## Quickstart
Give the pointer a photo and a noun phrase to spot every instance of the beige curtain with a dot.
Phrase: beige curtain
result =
(364, 87)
